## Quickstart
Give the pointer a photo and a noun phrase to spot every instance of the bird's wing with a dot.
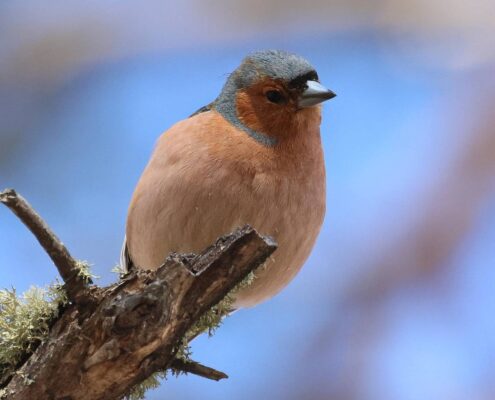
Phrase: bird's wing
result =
(125, 259)
(203, 109)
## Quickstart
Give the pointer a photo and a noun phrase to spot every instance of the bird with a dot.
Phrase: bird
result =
(252, 156)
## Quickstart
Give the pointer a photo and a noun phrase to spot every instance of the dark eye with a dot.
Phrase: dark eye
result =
(275, 96)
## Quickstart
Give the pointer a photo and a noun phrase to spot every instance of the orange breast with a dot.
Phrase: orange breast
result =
(205, 178)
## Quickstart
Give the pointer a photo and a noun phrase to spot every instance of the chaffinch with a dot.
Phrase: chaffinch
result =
(252, 156)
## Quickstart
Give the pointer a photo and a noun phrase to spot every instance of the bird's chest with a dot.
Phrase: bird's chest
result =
(280, 198)
(289, 205)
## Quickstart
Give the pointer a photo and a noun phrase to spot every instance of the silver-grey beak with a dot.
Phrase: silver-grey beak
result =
(314, 94)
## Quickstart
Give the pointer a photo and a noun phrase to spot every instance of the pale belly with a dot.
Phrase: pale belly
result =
(188, 216)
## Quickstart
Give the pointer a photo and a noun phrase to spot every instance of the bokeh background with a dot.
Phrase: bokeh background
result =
(397, 300)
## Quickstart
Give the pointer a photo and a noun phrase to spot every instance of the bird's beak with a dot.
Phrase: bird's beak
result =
(314, 94)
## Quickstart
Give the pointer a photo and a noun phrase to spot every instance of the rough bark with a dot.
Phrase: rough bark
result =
(133, 328)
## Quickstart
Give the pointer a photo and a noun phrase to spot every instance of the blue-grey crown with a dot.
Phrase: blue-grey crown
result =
(275, 64)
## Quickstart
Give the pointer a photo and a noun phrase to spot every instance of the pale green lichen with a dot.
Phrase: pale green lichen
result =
(120, 270)
(84, 271)
(25, 321)
(152, 382)
(4, 393)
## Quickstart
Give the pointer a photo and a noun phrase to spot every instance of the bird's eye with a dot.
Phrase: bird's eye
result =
(275, 96)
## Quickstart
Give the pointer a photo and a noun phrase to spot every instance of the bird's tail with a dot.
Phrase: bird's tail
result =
(125, 259)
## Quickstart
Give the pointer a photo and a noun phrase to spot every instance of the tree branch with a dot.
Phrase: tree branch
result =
(68, 268)
(134, 327)
(196, 368)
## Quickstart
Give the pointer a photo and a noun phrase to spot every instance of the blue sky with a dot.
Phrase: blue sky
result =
(387, 143)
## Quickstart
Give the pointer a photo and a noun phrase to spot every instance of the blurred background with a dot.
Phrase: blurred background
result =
(397, 299)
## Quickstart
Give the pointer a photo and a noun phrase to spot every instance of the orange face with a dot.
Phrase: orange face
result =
(271, 107)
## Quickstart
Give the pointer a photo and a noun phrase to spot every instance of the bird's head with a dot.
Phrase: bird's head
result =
(272, 95)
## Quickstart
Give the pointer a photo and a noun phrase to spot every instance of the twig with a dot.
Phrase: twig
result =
(196, 368)
(66, 265)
